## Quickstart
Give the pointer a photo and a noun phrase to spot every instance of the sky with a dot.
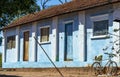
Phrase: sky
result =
(52, 2)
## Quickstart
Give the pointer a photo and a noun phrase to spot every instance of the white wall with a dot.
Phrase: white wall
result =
(116, 25)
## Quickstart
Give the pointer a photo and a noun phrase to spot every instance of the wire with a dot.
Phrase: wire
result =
(49, 57)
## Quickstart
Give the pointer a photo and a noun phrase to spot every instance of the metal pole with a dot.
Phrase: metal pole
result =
(49, 57)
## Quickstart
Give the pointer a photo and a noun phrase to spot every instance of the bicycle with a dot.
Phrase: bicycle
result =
(110, 67)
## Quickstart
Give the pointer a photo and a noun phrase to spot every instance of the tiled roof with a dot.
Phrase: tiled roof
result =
(72, 6)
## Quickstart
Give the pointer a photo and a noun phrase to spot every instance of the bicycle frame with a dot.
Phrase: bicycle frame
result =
(106, 64)
(110, 65)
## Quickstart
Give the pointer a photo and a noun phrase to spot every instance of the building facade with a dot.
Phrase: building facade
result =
(72, 36)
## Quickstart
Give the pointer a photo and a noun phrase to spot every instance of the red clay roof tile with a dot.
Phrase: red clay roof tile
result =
(72, 6)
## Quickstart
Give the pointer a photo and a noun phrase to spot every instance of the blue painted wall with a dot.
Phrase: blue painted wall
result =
(11, 54)
(41, 57)
(22, 30)
(93, 47)
(73, 17)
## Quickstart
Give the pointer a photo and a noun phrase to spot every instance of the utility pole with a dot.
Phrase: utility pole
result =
(49, 58)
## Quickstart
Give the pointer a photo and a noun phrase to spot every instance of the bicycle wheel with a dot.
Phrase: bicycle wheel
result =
(112, 68)
(96, 68)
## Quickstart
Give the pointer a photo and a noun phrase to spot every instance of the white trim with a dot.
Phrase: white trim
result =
(4, 47)
(54, 38)
(81, 54)
(18, 42)
(46, 42)
(45, 26)
(34, 52)
(70, 21)
(116, 25)
(26, 30)
(100, 36)
(100, 17)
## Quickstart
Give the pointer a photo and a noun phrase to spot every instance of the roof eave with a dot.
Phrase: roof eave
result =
(76, 10)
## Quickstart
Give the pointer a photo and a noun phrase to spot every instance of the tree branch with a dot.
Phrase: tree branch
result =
(61, 1)
(65, 1)
(43, 3)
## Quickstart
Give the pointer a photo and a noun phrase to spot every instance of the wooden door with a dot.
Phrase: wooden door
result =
(69, 42)
(26, 46)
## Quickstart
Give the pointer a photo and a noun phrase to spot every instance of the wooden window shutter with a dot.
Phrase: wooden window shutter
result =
(10, 42)
(13, 41)
(44, 34)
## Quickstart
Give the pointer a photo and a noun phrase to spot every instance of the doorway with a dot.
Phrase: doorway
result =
(68, 42)
(26, 46)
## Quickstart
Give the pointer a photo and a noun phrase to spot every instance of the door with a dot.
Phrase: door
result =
(68, 42)
(26, 46)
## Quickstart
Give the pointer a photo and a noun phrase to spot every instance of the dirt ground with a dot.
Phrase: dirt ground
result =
(74, 72)
(43, 74)
(34, 74)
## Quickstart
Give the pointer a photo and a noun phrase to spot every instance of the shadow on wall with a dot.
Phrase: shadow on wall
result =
(0, 61)
(0, 41)
(9, 76)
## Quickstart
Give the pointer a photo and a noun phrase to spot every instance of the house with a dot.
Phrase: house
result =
(72, 34)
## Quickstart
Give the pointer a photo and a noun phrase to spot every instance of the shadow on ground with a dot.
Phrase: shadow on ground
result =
(9, 76)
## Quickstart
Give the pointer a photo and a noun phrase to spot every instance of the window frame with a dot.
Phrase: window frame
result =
(44, 42)
(13, 46)
(98, 18)
(106, 27)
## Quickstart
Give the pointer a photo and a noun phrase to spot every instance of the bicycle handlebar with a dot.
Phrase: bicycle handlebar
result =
(110, 54)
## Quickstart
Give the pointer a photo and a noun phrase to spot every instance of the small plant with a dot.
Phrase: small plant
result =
(98, 58)
(114, 45)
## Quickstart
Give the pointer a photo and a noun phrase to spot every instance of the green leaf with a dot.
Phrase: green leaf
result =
(10, 9)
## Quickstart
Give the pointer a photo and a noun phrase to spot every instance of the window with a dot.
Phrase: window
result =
(44, 34)
(100, 28)
(10, 42)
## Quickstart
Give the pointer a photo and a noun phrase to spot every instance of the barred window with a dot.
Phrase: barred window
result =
(10, 42)
(44, 34)
(100, 28)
